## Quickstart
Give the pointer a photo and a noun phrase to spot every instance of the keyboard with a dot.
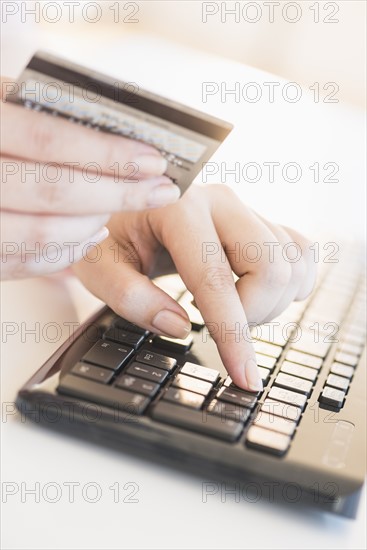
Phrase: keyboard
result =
(172, 401)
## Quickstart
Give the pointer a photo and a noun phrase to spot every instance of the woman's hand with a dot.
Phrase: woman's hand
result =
(208, 234)
(61, 182)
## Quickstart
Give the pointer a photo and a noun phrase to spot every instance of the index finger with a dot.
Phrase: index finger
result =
(211, 282)
(39, 136)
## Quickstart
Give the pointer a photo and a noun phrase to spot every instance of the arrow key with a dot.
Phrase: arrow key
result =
(147, 372)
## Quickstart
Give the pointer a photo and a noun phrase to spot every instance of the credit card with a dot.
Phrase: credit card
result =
(187, 138)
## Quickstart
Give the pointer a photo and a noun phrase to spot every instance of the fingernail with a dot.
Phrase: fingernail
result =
(155, 165)
(171, 324)
(101, 235)
(253, 376)
(163, 194)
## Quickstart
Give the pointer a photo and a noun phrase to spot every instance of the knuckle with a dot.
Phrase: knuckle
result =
(42, 137)
(216, 279)
(223, 191)
(112, 151)
(122, 297)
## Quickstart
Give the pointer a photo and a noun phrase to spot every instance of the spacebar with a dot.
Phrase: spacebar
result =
(198, 421)
(103, 395)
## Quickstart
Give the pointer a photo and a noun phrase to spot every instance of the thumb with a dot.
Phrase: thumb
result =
(132, 295)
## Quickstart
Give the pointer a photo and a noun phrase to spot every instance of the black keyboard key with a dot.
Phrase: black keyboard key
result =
(103, 395)
(333, 397)
(197, 371)
(353, 349)
(196, 319)
(308, 344)
(229, 384)
(192, 384)
(147, 372)
(108, 355)
(92, 372)
(267, 440)
(286, 396)
(129, 327)
(137, 385)
(281, 409)
(173, 344)
(156, 360)
(198, 421)
(121, 336)
(229, 411)
(231, 395)
(267, 349)
(304, 359)
(346, 358)
(266, 361)
(274, 334)
(299, 370)
(275, 423)
(265, 375)
(292, 383)
(184, 397)
(337, 382)
(342, 370)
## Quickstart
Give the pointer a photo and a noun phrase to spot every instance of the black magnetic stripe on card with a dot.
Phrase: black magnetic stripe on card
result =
(215, 130)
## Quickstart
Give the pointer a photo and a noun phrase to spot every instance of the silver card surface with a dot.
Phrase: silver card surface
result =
(186, 137)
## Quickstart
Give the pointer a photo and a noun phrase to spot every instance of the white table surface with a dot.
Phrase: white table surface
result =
(170, 512)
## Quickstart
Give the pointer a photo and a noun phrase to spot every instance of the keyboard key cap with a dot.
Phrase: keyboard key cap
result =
(266, 361)
(355, 339)
(265, 375)
(333, 397)
(346, 358)
(229, 411)
(337, 382)
(266, 440)
(342, 370)
(123, 337)
(173, 344)
(192, 384)
(292, 383)
(228, 381)
(346, 347)
(156, 360)
(274, 334)
(147, 372)
(209, 375)
(129, 327)
(198, 421)
(304, 359)
(237, 397)
(92, 373)
(137, 385)
(286, 396)
(275, 423)
(299, 370)
(108, 355)
(267, 349)
(196, 319)
(103, 395)
(184, 397)
(281, 409)
(307, 344)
